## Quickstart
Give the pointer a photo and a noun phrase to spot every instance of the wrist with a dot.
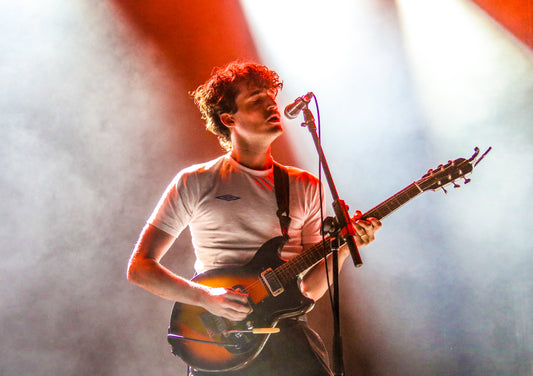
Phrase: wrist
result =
(201, 295)
(344, 251)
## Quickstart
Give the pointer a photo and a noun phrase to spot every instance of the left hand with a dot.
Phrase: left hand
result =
(365, 229)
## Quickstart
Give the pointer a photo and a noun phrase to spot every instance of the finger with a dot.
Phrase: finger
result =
(237, 312)
(230, 304)
(237, 297)
(364, 231)
(232, 311)
(376, 223)
(363, 227)
(362, 240)
(239, 302)
(232, 314)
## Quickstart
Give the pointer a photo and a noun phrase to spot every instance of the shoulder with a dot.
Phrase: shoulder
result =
(194, 179)
(302, 180)
(302, 176)
(202, 169)
(199, 168)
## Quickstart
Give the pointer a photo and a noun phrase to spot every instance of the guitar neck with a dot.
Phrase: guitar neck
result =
(394, 202)
(317, 252)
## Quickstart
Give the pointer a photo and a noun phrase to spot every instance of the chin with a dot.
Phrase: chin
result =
(277, 127)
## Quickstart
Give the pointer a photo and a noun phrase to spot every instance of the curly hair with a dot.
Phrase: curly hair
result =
(217, 95)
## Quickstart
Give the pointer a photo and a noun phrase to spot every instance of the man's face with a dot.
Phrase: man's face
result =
(257, 113)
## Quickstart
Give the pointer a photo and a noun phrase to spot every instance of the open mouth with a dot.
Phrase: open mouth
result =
(274, 118)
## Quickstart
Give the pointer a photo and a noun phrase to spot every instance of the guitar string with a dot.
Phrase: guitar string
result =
(300, 263)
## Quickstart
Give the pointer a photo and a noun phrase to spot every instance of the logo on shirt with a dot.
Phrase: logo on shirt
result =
(228, 198)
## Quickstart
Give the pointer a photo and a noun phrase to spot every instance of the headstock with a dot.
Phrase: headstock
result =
(447, 174)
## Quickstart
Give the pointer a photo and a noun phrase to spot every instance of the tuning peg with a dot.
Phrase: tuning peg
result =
(467, 180)
(455, 185)
(444, 190)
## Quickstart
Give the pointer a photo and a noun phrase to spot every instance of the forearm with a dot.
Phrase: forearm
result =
(145, 270)
(316, 282)
(155, 278)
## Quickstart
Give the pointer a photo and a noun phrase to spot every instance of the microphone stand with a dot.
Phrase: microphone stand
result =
(346, 230)
(339, 206)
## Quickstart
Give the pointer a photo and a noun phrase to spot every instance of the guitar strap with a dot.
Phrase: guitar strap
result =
(281, 185)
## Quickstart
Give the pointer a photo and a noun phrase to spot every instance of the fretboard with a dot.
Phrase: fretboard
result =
(394, 202)
(291, 269)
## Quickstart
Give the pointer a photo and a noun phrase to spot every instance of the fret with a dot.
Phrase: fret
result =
(302, 262)
(388, 206)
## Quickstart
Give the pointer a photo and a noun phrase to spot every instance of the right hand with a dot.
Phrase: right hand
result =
(229, 304)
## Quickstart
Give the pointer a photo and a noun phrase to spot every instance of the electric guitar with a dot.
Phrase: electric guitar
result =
(212, 343)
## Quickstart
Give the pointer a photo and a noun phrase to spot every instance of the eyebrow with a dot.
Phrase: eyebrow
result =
(255, 92)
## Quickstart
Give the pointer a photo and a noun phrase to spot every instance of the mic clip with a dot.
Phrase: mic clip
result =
(293, 109)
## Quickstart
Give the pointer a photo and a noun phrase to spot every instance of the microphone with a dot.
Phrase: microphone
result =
(293, 109)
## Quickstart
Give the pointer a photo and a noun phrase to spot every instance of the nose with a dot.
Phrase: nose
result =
(271, 101)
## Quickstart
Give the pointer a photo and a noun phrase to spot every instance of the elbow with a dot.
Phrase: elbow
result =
(130, 275)
(140, 270)
(132, 272)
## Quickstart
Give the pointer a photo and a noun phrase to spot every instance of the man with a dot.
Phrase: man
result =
(230, 206)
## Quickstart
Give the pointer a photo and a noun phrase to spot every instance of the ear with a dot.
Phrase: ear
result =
(227, 119)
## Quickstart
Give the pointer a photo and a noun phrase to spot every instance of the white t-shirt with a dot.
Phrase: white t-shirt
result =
(231, 211)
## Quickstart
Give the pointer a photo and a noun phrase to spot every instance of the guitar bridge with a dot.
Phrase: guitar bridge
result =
(271, 282)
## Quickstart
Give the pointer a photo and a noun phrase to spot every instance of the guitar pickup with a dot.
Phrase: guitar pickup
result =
(271, 282)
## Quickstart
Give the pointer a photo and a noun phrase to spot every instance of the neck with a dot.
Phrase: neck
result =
(254, 159)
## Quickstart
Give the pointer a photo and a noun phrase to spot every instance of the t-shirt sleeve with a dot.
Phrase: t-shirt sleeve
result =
(174, 209)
